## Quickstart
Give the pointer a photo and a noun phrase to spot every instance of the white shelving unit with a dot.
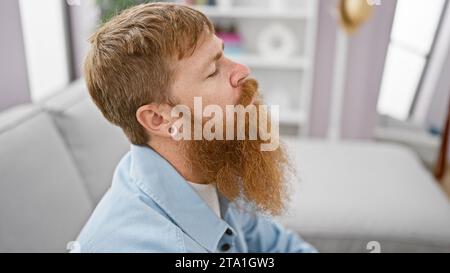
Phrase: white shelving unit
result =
(286, 81)
(253, 12)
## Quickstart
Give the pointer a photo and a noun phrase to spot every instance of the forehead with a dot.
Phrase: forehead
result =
(210, 43)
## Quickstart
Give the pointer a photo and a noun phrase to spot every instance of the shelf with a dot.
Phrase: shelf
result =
(255, 61)
(252, 12)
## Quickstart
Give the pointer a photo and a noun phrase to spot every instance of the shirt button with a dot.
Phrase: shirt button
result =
(225, 247)
(229, 231)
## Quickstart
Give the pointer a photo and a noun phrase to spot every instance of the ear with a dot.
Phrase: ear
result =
(155, 118)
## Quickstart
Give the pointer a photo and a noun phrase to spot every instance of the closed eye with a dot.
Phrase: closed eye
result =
(214, 74)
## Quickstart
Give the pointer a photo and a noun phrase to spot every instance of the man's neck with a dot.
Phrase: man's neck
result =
(170, 150)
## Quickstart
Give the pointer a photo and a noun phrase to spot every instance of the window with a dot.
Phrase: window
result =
(415, 25)
(47, 54)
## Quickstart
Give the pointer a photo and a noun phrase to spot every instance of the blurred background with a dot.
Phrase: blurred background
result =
(363, 89)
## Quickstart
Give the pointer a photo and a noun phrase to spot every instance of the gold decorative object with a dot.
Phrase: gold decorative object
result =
(353, 13)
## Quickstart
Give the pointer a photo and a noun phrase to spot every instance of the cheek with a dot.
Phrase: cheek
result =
(225, 97)
(227, 94)
(220, 93)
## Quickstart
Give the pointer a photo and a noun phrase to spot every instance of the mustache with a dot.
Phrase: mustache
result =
(249, 91)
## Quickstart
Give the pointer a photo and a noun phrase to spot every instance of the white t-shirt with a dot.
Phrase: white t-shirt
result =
(208, 192)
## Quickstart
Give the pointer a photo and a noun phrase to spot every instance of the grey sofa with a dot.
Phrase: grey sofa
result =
(57, 160)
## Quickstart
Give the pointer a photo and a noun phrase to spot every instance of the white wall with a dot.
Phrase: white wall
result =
(13, 71)
(46, 49)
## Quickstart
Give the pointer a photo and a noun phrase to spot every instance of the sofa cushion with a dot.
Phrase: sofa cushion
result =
(43, 202)
(96, 145)
(352, 193)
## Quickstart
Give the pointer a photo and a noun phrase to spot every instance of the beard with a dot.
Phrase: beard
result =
(239, 168)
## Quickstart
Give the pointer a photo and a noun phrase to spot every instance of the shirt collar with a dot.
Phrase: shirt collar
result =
(162, 182)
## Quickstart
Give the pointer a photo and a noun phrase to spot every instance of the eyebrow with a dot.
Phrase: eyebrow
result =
(215, 58)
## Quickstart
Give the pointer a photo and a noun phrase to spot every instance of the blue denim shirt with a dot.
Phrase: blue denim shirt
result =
(151, 208)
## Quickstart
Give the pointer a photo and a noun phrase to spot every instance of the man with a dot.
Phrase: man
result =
(172, 194)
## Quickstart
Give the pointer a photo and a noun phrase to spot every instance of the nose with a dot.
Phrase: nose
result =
(239, 74)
